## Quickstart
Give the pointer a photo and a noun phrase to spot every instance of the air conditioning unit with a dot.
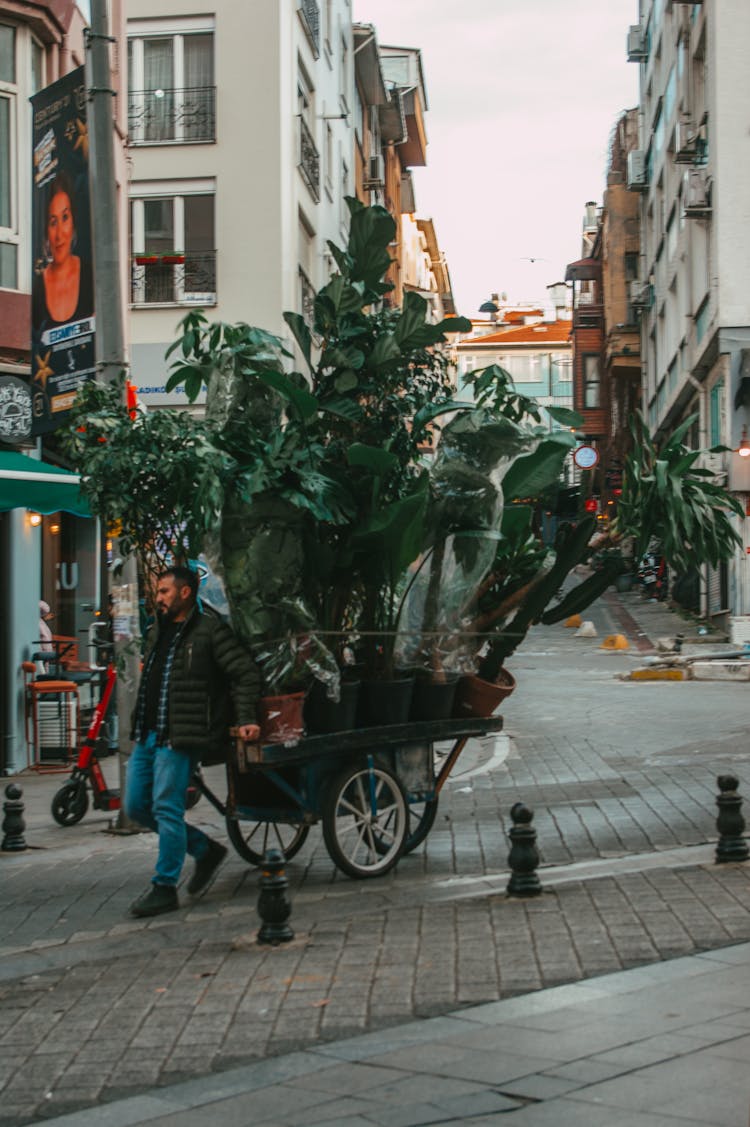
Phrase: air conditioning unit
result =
(640, 295)
(637, 45)
(686, 137)
(696, 193)
(375, 172)
(637, 171)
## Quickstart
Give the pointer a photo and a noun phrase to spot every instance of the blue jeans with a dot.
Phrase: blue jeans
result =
(155, 788)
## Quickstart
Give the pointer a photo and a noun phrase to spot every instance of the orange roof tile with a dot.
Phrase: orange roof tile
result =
(550, 332)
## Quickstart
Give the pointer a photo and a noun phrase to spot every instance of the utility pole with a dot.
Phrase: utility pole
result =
(110, 347)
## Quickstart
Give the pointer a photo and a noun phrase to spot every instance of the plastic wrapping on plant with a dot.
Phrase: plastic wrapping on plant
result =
(475, 451)
(291, 663)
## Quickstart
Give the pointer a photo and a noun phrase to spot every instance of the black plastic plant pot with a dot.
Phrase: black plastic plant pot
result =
(385, 702)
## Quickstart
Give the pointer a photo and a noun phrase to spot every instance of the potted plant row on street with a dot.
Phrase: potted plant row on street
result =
(372, 581)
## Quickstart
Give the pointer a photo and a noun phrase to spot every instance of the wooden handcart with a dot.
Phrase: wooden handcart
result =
(375, 791)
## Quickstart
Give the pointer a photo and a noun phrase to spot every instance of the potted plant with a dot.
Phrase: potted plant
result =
(172, 257)
(146, 259)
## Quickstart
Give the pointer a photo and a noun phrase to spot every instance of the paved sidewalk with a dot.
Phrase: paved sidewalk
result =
(662, 1046)
(99, 1008)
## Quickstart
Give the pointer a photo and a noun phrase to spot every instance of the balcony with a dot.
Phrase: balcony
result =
(309, 160)
(309, 11)
(188, 279)
(588, 314)
(168, 117)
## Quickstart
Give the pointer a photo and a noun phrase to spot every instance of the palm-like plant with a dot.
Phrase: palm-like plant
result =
(668, 498)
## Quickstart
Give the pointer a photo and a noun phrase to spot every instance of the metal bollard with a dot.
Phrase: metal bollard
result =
(13, 822)
(731, 846)
(274, 905)
(523, 858)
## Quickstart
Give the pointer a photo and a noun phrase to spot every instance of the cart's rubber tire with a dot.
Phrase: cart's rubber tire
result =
(252, 839)
(70, 803)
(422, 823)
(360, 843)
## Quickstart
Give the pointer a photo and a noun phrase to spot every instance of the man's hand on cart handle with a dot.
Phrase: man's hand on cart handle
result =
(249, 732)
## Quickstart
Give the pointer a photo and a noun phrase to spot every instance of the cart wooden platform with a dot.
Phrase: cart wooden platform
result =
(375, 791)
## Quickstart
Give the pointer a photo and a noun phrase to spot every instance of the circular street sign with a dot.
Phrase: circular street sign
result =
(585, 457)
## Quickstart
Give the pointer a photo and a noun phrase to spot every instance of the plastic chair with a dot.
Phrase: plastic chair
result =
(52, 709)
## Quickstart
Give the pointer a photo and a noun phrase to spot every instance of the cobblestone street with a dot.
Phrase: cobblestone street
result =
(621, 777)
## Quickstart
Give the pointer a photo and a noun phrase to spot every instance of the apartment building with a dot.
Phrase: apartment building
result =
(54, 555)
(537, 354)
(691, 170)
(241, 122)
(606, 334)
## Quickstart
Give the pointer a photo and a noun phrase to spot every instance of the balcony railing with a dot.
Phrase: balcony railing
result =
(309, 10)
(159, 117)
(309, 160)
(157, 281)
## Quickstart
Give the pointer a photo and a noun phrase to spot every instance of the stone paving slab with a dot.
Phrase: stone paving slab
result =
(191, 1001)
(617, 1050)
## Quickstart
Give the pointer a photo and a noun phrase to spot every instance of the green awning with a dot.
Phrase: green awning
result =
(26, 483)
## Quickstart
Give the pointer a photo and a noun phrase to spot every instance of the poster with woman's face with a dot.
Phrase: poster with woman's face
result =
(62, 313)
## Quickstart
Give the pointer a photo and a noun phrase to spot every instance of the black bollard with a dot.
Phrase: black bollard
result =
(13, 822)
(731, 846)
(523, 858)
(274, 906)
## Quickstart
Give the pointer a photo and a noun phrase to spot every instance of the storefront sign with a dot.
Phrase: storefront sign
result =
(62, 310)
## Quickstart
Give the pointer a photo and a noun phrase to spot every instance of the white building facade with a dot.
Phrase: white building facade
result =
(241, 141)
(693, 290)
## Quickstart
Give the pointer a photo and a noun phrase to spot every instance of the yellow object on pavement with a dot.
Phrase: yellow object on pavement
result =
(658, 675)
(574, 620)
(615, 642)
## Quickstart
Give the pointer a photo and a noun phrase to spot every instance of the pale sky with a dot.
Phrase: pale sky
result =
(523, 95)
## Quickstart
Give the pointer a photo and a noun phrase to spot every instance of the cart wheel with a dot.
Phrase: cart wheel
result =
(252, 839)
(70, 803)
(365, 820)
(422, 817)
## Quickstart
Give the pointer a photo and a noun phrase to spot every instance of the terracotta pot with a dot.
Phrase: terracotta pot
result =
(281, 718)
(475, 697)
(434, 700)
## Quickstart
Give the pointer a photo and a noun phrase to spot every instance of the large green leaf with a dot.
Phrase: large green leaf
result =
(378, 460)
(302, 334)
(385, 351)
(565, 416)
(432, 411)
(372, 230)
(531, 474)
(303, 401)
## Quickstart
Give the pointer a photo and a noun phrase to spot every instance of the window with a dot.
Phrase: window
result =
(309, 158)
(21, 74)
(591, 381)
(717, 412)
(171, 86)
(173, 248)
(701, 321)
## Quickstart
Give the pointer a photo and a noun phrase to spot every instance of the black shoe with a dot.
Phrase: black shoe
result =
(159, 898)
(206, 868)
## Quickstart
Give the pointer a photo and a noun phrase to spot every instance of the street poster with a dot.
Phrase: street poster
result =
(62, 302)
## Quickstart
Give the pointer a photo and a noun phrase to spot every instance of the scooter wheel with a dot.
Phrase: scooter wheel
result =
(70, 803)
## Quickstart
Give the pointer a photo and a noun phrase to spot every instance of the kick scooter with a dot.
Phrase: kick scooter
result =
(71, 801)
